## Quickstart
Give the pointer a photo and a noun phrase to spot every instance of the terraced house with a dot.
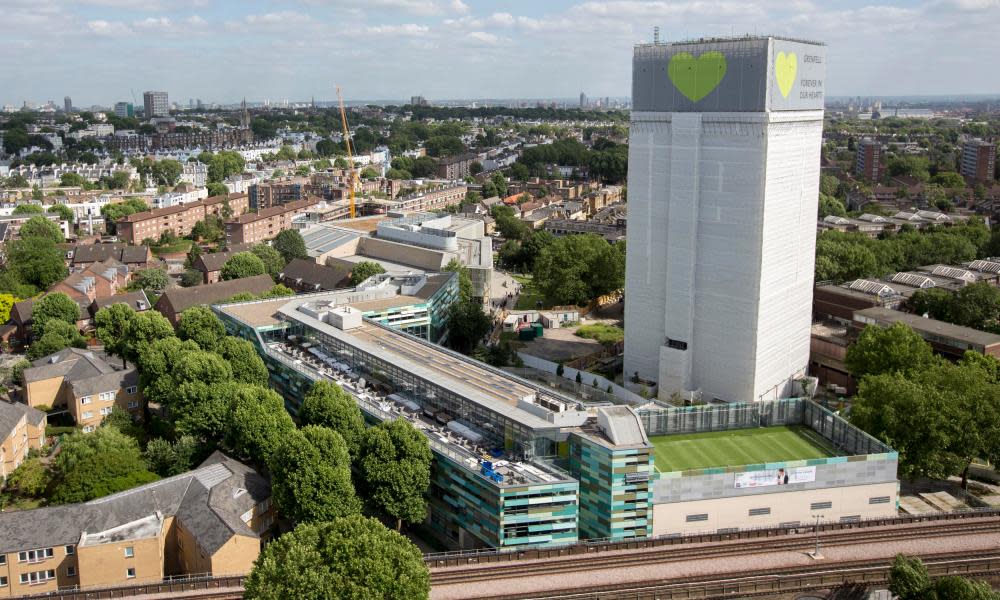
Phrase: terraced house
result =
(211, 520)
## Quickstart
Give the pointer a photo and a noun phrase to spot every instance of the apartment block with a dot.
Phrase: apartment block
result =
(84, 382)
(21, 429)
(867, 163)
(276, 193)
(211, 520)
(456, 167)
(979, 160)
(264, 224)
(179, 219)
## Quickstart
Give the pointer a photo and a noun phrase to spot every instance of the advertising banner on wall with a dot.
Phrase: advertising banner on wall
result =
(769, 477)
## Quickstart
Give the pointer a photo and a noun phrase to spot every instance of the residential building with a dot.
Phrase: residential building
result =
(456, 167)
(722, 195)
(86, 383)
(560, 227)
(155, 105)
(210, 263)
(867, 161)
(275, 193)
(22, 428)
(423, 201)
(22, 316)
(979, 160)
(81, 256)
(265, 224)
(174, 301)
(137, 301)
(67, 105)
(209, 521)
(306, 275)
(10, 225)
(179, 219)
(97, 280)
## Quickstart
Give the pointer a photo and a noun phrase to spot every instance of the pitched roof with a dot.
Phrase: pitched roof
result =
(11, 413)
(137, 301)
(213, 261)
(90, 253)
(180, 299)
(309, 273)
(73, 364)
(209, 501)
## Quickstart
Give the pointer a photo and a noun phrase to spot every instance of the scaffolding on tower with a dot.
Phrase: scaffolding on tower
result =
(350, 154)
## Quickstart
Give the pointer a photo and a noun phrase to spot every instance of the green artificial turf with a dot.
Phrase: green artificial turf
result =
(736, 447)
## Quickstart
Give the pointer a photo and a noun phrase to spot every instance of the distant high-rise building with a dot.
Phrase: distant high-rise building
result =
(124, 109)
(67, 104)
(979, 160)
(724, 163)
(418, 101)
(867, 160)
(199, 104)
(583, 100)
(155, 104)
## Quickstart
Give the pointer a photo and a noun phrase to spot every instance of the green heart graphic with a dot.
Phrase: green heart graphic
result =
(697, 77)
(785, 68)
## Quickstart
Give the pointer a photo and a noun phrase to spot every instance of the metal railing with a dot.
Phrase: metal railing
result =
(171, 584)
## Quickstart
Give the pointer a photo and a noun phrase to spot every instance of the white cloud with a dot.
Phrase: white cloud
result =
(406, 29)
(485, 38)
(109, 28)
(276, 22)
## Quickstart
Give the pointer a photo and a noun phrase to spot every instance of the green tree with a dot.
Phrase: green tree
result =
(65, 213)
(311, 476)
(828, 205)
(828, 185)
(908, 578)
(467, 324)
(224, 164)
(464, 280)
(7, 302)
(55, 336)
(143, 329)
(328, 405)
(290, 245)
(248, 366)
(200, 324)
(216, 188)
(395, 466)
(28, 209)
(272, 259)
(258, 422)
(166, 459)
(30, 478)
(191, 278)
(243, 264)
(40, 227)
(578, 268)
(894, 349)
(345, 559)
(54, 306)
(949, 179)
(96, 464)
(150, 279)
(365, 269)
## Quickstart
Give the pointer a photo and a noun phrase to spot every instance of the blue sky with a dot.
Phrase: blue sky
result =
(222, 50)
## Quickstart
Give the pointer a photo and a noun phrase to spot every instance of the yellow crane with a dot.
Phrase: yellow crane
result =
(347, 143)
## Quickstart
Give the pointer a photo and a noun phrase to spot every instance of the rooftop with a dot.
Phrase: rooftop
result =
(932, 326)
(737, 447)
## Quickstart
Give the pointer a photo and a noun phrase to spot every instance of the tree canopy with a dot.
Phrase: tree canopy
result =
(365, 269)
(272, 259)
(894, 349)
(327, 404)
(96, 464)
(290, 245)
(575, 269)
(54, 306)
(395, 466)
(349, 558)
(42, 228)
(243, 264)
(200, 324)
(311, 476)
(259, 422)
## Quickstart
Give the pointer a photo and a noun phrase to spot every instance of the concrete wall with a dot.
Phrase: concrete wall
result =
(236, 557)
(588, 378)
(786, 507)
(44, 392)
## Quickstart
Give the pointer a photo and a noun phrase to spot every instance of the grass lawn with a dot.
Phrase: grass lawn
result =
(602, 332)
(530, 297)
(737, 447)
(180, 246)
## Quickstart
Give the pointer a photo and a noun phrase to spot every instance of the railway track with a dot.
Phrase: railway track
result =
(767, 584)
(667, 554)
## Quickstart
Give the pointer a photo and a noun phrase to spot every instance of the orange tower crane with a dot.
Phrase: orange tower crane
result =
(347, 143)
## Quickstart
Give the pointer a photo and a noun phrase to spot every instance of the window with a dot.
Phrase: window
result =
(35, 555)
(676, 344)
(71, 571)
(878, 500)
(107, 396)
(88, 415)
(85, 400)
(130, 572)
(3, 559)
(695, 518)
(756, 512)
(3, 581)
(133, 404)
(105, 410)
(129, 551)
(70, 550)
(37, 577)
(820, 505)
(88, 428)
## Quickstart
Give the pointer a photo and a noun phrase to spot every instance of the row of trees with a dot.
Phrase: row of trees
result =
(607, 160)
(976, 305)
(844, 256)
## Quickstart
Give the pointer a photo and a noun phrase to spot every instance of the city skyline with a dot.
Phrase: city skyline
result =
(99, 51)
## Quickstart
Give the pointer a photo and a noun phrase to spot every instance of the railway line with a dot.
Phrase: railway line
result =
(856, 576)
(612, 559)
